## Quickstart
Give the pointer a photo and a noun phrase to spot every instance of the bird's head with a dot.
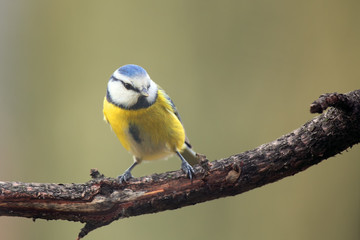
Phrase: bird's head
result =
(130, 87)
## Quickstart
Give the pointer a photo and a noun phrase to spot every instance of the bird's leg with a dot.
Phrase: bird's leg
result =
(185, 166)
(127, 174)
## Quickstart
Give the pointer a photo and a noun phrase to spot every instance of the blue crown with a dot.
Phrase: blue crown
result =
(132, 70)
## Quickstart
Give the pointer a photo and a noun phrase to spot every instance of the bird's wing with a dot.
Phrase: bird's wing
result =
(187, 142)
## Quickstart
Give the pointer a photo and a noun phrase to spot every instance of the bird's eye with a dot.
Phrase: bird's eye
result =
(128, 86)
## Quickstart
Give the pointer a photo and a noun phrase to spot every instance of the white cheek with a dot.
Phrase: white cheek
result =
(120, 95)
(152, 92)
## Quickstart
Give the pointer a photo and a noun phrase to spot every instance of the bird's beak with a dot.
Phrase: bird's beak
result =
(144, 92)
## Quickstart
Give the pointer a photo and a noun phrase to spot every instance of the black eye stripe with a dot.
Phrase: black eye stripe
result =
(128, 86)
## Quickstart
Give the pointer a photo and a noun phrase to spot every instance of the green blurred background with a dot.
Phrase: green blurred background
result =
(241, 73)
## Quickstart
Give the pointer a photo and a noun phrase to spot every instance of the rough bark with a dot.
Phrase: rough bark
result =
(103, 200)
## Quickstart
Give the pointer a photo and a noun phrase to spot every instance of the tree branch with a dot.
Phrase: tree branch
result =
(103, 200)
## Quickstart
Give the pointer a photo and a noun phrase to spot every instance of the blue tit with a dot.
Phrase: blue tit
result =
(145, 119)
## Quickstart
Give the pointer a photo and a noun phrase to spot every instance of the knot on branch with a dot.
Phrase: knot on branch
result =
(337, 100)
(95, 174)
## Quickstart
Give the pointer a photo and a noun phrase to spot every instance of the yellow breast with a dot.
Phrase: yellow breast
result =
(148, 133)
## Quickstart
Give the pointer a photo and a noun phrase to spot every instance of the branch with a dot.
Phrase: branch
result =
(103, 200)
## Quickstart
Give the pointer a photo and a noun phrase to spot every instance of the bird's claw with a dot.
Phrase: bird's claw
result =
(188, 169)
(125, 177)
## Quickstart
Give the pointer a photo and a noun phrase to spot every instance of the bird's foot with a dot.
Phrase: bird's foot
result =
(188, 169)
(125, 177)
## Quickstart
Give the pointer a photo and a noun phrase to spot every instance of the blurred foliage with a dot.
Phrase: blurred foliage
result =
(241, 73)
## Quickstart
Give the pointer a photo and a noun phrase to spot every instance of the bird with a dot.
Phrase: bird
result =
(145, 120)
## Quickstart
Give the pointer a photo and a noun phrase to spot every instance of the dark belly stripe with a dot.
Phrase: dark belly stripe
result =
(134, 132)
